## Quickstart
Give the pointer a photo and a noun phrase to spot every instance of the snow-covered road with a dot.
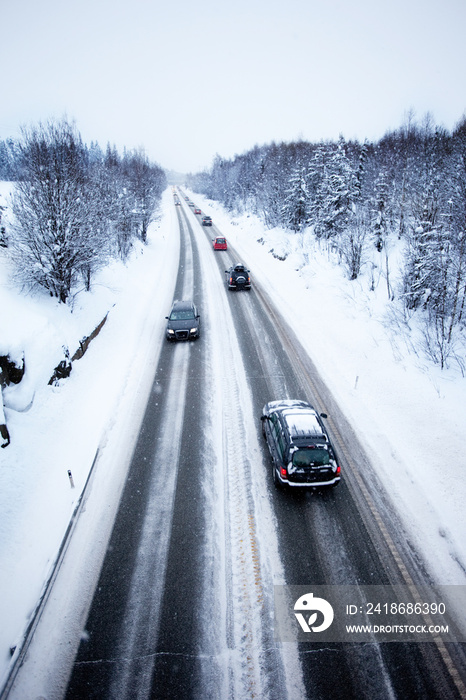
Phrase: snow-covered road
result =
(253, 539)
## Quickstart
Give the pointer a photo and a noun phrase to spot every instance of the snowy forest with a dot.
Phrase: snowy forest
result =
(73, 206)
(408, 190)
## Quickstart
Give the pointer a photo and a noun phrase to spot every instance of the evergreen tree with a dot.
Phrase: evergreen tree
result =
(295, 209)
(427, 240)
(9, 155)
(380, 224)
(317, 179)
(337, 189)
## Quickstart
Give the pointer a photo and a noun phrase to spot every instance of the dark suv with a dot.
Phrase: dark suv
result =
(238, 277)
(301, 451)
(184, 321)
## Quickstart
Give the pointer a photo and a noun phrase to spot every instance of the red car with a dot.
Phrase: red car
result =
(220, 243)
(197, 211)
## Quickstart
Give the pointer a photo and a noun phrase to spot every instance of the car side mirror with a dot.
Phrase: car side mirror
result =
(323, 415)
(265, 418)
(166, 317)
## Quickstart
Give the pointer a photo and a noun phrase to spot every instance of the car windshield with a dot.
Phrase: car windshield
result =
(220, 240)
(311, 457)
(183, 315)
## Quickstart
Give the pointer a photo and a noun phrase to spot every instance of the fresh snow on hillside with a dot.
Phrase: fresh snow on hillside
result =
(408, 413)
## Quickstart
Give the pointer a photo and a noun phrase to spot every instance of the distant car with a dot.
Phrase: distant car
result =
(197, 210)
(220, 243)
(238, 277)
(301, 451)
(206, 221)
(178, 203)
(190, 204)
(184, 321)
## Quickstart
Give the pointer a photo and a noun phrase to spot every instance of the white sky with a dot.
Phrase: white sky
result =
(186, 80)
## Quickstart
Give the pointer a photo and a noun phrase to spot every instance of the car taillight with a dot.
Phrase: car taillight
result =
(283, 471)
(338, 469)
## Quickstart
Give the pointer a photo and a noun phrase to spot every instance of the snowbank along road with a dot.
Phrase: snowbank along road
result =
(184, 605)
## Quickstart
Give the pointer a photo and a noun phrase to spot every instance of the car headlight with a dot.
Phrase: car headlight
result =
(193, 330)
(171, 331)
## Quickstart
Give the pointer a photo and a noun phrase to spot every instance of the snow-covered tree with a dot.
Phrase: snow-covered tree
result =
(429, 238)
(381, 222)
(50, 239)
(351, 245)
(295, 209)
(145, 183)
(316, 179)
(457, 222)
(272, 181)
(337, 193)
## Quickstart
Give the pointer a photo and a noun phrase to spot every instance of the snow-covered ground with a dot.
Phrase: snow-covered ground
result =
(409, 414)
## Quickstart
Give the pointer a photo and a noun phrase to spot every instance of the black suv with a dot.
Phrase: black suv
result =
(184, 321)
(206, 221)
(301, 450)
(238, 277)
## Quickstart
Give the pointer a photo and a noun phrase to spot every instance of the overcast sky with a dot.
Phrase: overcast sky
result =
(188, 79)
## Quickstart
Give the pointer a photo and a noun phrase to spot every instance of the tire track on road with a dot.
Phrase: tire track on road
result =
(255, 665)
